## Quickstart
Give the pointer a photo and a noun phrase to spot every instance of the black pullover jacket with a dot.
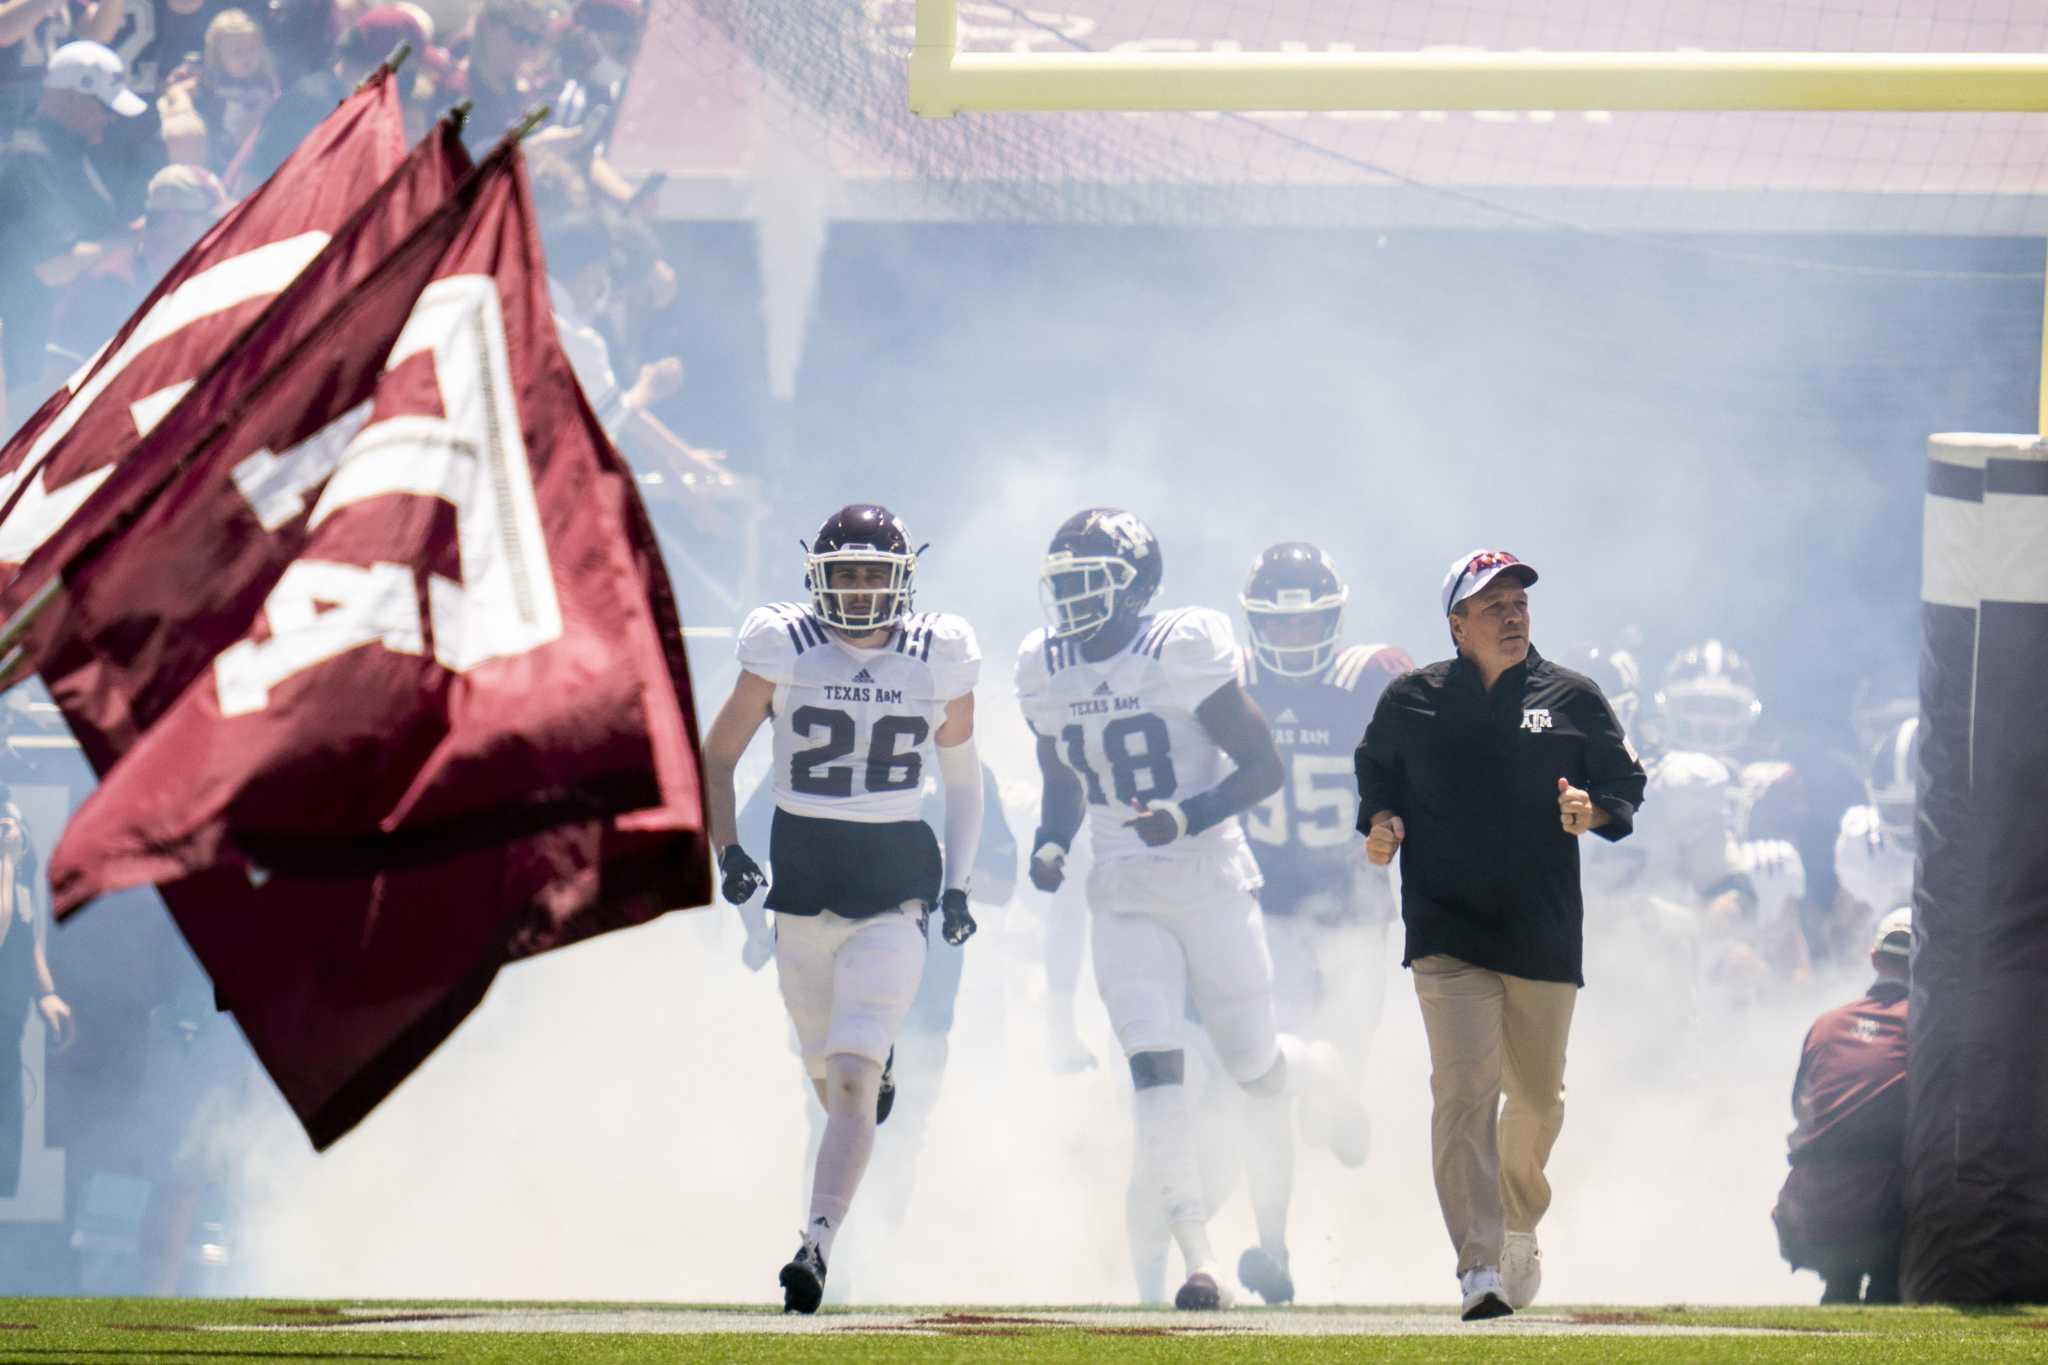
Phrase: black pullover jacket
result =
(1488, 874)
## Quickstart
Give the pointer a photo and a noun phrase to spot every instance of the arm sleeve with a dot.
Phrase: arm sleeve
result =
(960, 768)
(1614, 775)
(955, 657)
(1378, 763)
(767, 645)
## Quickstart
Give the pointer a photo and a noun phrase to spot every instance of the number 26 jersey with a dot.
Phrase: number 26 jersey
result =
(1126, 727)
(854, 727)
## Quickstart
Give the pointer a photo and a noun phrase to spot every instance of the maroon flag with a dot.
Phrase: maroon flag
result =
(87, 429)
(404, 701)
(240, 386)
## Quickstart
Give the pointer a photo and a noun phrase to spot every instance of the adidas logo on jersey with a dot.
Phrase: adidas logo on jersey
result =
(1287, 717)
(1103, 690)
(863, 676)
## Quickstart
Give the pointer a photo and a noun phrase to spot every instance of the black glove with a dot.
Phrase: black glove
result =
(1048, 864)
(742, 874)
(958, 925)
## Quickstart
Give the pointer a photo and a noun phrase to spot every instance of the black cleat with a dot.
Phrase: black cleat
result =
(1199, 1294)
(885, 1098)
(803, 1280)
(1265, 1275)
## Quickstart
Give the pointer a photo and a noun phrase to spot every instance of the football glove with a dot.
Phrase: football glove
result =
(742, 874)
(1048, 866)
(957, 924)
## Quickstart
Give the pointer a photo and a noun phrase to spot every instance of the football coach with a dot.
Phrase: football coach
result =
(1483, 771)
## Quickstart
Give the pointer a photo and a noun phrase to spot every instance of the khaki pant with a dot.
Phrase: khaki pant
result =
(1492, 1035)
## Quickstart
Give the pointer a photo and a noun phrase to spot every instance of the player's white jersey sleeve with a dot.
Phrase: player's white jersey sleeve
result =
(948, 644)
(771, 638)
(1873, 868)
(1034, 677)
(1775, 872)
(1687, 845)
(1197, 653)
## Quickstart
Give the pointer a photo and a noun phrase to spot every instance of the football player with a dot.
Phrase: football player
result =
(1746, 892)
(1143, 726)
(1874, 849)
(865, 695)
(1326, 909)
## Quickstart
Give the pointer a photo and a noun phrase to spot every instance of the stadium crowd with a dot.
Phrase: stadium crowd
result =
(127, 127)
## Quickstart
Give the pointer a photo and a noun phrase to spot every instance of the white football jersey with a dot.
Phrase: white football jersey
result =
(1126, 727)
(1689, 845)
(854, 727)
(1871, 865)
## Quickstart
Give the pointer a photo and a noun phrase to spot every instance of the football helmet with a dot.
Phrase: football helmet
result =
(864, 533)
(1620, 678)
(1103, 565)
(1294, 607)
(1882, 701)
(1891, 781)
(1707, 703)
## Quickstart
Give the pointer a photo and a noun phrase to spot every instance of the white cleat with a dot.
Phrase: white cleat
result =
(1521, 1268)
(1484, 1294)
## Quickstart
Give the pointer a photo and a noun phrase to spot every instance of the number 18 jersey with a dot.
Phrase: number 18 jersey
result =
(854, 727)
(1126, 726)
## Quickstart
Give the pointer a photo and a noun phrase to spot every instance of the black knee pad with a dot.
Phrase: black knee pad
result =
(1274, 1082)
(1149, 1069)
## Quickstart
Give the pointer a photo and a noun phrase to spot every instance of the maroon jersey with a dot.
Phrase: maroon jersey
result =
(1848, 1148)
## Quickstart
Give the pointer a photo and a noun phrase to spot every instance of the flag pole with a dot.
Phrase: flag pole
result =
(389, 66)
(17, 626)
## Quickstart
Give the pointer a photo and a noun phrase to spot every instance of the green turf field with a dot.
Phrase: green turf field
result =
(133, 1330)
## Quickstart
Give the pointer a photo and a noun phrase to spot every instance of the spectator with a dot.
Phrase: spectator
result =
(596, 53)
(183, 202)
(1842, 1211)
(55, 203)
(210, 115)
(580, 274)
(371, 40)
(510, 37)
(30, 32)
(24, 980)
(302, 37)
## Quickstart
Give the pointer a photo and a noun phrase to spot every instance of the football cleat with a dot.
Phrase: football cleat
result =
(1266, 1275)
(885, 1098)
(1202, 1293)
(803, 1279)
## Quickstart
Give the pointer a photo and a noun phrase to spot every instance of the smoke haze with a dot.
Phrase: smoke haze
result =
(1685, 443)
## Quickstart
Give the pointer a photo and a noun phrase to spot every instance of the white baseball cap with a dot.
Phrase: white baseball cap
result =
(1472, 571)
(1895, 933)
(93, 70)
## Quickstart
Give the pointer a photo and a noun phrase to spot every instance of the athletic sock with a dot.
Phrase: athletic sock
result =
(1269, 1167)
(1166, 1161)
(844, 1150)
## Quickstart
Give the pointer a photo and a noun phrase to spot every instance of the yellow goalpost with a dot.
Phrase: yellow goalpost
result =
(945, 81)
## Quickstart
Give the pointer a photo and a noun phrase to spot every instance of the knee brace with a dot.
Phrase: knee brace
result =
(1149, 1069)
